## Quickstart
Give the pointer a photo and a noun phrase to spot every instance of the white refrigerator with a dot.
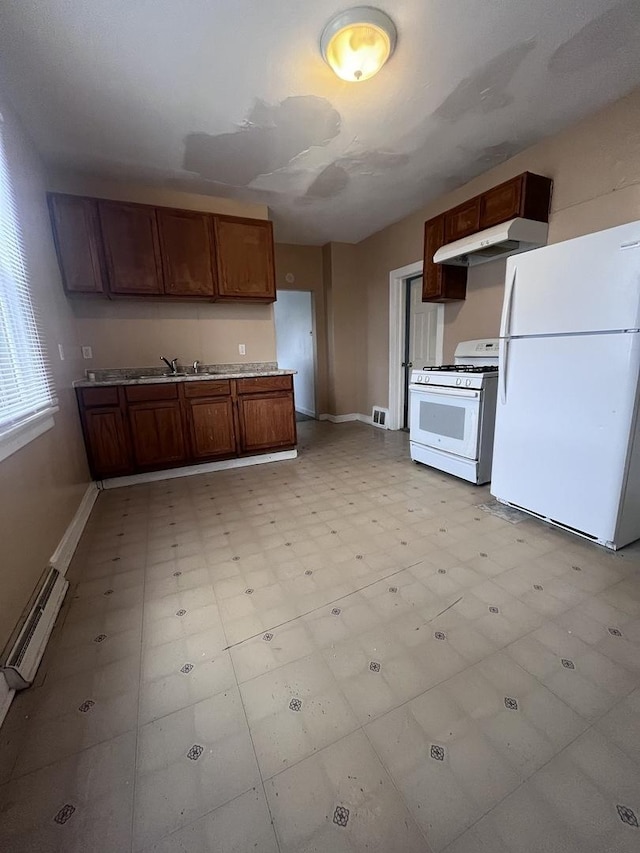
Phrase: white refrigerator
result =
(567, 438)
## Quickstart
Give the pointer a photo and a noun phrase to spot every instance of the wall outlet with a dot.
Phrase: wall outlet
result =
(61, 352)
(242, 349)
(87, 352)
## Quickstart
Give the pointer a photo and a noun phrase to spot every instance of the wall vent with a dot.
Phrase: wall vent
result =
(25, 654)
(380, 417)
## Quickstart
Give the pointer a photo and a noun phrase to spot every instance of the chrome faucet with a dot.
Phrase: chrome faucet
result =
(196, 366)
(172, 365)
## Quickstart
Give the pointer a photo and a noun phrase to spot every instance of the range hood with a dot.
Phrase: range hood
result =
(500, 241)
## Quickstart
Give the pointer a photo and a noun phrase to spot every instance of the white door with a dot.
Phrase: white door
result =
(293, 316)
(563, 423)
(423, 330)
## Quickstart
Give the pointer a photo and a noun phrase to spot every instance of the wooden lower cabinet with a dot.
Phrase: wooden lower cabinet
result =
(211, 428)
(131, 429)
(156, 434)
(107, 441)
(266, 421)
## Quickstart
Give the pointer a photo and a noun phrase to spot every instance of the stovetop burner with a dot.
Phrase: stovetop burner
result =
(463, 368)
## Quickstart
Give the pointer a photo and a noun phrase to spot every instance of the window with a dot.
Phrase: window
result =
(26, 390)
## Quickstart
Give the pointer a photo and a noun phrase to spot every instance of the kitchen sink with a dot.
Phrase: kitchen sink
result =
(180, 375)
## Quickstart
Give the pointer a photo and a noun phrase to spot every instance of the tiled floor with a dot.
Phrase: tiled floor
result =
(337, 653)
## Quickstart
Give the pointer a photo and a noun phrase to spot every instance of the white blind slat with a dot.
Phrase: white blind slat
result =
(26, 386)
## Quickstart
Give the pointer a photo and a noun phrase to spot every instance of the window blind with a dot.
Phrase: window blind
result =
(26, 386)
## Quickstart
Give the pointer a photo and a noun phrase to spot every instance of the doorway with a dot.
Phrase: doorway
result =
(420, 340)
(416, 334)
(293, 315)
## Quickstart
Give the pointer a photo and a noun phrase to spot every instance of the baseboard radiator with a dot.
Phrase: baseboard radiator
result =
(25, 653)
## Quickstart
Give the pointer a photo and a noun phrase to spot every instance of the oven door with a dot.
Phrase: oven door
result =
(446, 419)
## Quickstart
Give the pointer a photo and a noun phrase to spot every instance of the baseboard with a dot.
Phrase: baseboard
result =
(341, 419)
(308, 412)
(192, 470)
(63, 554)
(6, 695)
(338, 419)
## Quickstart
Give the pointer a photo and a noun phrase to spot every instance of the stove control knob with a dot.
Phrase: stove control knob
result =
(458, 381)
(468, 382)
(420, 378)
(427, 379)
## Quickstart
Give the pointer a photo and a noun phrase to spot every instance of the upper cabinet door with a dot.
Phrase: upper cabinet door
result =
(526, 195)
(186, 245)
(440, 283)
(132, 252)
(76, 232)
(502, 203)
(462, 220)
(245, 259)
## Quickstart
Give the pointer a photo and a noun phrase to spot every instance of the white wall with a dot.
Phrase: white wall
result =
(294, 344)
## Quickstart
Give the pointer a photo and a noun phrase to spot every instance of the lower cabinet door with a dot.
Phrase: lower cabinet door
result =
(107, 442)
(157, 434)
(266, 421)
(211, 425)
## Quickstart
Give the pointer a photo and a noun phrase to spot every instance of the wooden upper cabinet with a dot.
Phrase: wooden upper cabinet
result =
(131, 247)
(462, 220)
(76, 234)
(527, 195)
(244, 250)
(440, 283)
(501, 203)
(122, 249)
(186, 246)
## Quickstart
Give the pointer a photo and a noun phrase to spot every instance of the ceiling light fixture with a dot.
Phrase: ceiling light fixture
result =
(357, 43)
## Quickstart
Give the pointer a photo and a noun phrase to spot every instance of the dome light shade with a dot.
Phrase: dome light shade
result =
(357, 43)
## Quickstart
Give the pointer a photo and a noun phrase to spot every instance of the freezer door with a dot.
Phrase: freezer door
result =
(564, 419)
(589, 284)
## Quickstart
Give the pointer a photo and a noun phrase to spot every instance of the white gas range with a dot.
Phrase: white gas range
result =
(453, 410)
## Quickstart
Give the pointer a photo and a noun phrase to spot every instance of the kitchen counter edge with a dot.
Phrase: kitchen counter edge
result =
(192, 377)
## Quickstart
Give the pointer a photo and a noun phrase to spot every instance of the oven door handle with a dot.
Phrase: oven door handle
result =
(445, 392)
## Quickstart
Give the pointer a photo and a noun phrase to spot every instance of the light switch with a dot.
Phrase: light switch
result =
(242, 349)
(87, 352)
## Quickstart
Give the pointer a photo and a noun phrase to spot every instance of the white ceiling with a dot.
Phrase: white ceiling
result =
(232, 97)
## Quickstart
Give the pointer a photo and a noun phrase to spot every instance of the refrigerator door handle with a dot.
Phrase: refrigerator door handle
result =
(503, 354)
(505, 323)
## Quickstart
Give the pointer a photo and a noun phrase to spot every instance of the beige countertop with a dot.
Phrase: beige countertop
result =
(147, 376)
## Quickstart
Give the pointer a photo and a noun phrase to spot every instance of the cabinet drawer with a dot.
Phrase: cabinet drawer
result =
(462, 220)
(91, 397)
(142, 393)
(208, 388)
(256, 384)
